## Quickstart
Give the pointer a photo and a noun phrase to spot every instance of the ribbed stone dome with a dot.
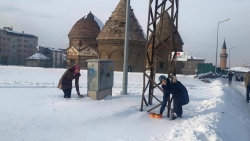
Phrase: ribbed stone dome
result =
(86, 27)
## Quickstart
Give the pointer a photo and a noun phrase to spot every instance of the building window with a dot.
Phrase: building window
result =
(72, 61)
(80, 43)
(0, 50)
(161, 65)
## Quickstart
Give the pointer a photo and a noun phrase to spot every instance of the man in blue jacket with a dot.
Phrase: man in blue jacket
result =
(179, 92)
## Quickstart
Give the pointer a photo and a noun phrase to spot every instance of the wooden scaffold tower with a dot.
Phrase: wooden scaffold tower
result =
(158, 9)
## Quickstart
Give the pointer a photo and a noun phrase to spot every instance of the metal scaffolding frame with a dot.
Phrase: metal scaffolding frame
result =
(154, 41)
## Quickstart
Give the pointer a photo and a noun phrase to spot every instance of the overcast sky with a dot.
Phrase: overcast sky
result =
(51, 21)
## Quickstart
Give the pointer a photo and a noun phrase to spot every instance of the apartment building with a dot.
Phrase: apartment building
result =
(15, 47)
(56, 56)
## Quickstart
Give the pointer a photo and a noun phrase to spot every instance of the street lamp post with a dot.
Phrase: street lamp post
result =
(126, 46)
(217, 43)
(229, 55)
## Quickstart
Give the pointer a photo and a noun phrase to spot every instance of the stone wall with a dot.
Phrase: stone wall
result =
(116, 53)
(188, 67)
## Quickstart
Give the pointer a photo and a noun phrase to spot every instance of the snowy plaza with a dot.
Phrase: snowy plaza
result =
(33, 108)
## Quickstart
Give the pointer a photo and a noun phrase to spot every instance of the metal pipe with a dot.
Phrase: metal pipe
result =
(126, 48)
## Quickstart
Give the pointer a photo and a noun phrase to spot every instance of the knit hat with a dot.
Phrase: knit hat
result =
(162, 77)
(76, 67)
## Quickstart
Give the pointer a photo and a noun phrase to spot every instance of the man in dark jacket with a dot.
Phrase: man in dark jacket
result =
(164, 81)
(247, 84)
(230, 76)
(65, 82)
(180, 96)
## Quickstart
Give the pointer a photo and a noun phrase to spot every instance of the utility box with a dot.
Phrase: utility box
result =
(100, 78)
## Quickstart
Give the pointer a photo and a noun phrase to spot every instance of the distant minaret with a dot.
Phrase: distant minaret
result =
(223, 56)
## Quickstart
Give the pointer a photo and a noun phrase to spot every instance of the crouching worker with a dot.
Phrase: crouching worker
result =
(179, 93)
(65, 82)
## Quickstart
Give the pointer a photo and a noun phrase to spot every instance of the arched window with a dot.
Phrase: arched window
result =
(72, 61)
(80, 43)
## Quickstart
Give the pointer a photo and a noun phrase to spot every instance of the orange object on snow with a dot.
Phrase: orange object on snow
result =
(154, 115)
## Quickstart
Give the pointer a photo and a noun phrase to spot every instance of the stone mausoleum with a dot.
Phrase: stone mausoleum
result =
(112, 38)
(89, 40)
(162, 51)
(82, 41)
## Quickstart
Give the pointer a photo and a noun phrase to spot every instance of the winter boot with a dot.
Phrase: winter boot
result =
(80, 96)
(173, 115)
(158, 115)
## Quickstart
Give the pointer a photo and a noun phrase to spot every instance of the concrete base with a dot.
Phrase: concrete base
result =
(99, 95)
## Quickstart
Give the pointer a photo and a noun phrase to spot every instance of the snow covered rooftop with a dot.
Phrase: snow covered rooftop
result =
(240, 69)
(38, 56)
(51, 48)
(20, 33)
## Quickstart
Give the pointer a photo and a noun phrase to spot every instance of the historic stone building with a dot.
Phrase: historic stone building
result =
(112, 38)
(162, 51)
(82, 41)
(223, 57)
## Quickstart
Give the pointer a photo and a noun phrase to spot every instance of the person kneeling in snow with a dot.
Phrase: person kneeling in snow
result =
(179, 92)
(65, 82)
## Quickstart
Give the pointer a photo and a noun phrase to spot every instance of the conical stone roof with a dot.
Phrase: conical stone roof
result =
(114, 28)
(167, 28)
(86, 27)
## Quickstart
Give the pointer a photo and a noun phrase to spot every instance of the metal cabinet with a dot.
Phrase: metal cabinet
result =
(100, 78)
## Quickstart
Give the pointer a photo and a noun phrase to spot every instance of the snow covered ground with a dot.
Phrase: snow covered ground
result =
(32, 108)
